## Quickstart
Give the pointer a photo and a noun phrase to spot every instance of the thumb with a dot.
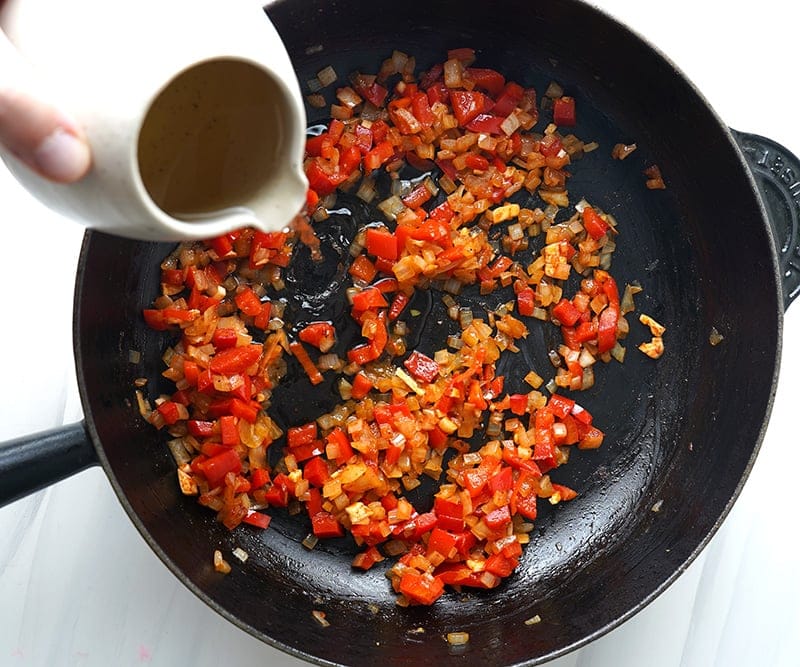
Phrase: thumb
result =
(33, 130)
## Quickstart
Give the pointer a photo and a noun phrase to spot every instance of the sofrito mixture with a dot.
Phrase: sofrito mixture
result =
(466, 174)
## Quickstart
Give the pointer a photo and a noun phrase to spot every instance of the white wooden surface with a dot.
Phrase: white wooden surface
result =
(78, 585)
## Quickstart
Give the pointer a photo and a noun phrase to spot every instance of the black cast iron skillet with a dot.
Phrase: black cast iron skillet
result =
(683, 431)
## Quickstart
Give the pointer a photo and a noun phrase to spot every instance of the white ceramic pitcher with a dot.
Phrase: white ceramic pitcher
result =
(192, 110)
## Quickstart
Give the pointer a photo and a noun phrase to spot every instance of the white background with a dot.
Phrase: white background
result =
(78, 585)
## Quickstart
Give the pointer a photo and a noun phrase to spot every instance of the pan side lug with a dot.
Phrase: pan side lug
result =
(776, 171)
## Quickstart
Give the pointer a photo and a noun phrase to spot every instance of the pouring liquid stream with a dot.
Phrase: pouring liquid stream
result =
(211, 140)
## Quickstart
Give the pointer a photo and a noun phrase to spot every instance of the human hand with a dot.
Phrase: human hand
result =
(35, 131)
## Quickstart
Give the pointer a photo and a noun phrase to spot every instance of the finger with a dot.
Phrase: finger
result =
(35, 131)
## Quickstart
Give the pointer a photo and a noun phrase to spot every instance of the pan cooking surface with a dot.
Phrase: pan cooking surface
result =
(681, 430)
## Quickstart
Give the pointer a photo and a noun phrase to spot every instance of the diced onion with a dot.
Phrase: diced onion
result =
(319, 617)
(392, 207)
(457, 638)
(327, 76)
(220, 564)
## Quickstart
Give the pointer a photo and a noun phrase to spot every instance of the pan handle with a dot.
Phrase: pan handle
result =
(33, 462)
(777, 174)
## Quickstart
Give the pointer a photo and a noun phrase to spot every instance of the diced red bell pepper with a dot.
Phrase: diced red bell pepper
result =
(381, 337)
(210, 449)
(319, 146)
(377, 156)
(508, 100)
(224, 338)
(399, 302)
(321, 335)
(322, 181)
(173, 277)
(500, 265)
(363, 269)
(432, 230)
(380, 242)
(565, 492)
(592, 438)
(316, 471)
(277, 495)
(244, 410)
(518, 403)
(422, 367)
(449, 513)
(526, 301)
(248, 302)
(499, 565)
(477, 162)
(423, 588)
(307, 451)
(487, 79)
(544, 445)
(431, 76)
(363, 138)
(362, 354)
(338, 447)
(442, 542)
(594, 225)
(325, 525)
(229, 431)
(458, 574)
(503, 480)
(235, 360)
(607, 328)
(550, 145)
(564, 111)
(486, 123)
(560, 405)
(467, 105)
(262, 319)
(586, 331)
(527, 506)
(223, 245)
(301, 435)
(417, 197)
(438, 92)
(349, 160)
(215, 468)
(257, 519)
(259, 478)
(154, 319)
(200, 429)
(498, 518)
(300, 353)
(386, 285)
(181, 396)
(369, 299)
(374, 92)
(415, 528)
(566, 313)
(366, 559)
(169, 411)
(421, 109)
(361, 386)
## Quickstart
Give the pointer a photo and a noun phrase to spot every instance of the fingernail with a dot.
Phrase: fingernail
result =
(62, 157)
